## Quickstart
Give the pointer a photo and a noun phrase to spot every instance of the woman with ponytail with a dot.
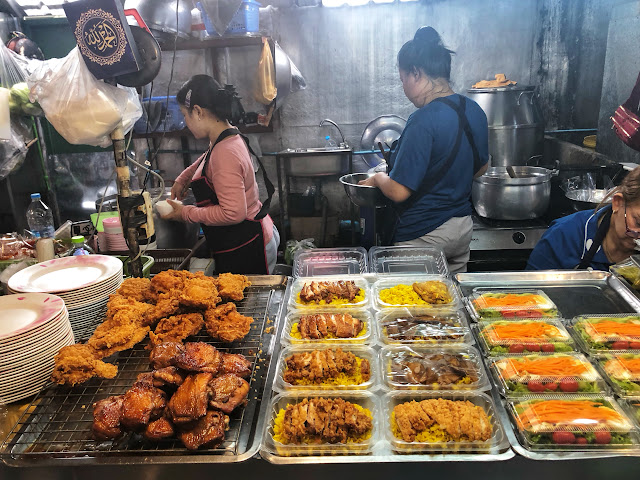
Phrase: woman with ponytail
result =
(442, 148)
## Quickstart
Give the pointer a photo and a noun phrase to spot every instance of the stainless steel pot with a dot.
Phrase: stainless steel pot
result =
(160, 16)
(516, 126)
(498, 196)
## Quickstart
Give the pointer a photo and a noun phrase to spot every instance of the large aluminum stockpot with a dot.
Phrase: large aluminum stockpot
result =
(498, 196)
(516, 126)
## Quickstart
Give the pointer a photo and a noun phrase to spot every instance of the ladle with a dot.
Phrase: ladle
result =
(511, 172)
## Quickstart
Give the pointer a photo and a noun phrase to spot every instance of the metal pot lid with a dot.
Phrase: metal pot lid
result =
(510, 88)
(385, 129)
(525, 176)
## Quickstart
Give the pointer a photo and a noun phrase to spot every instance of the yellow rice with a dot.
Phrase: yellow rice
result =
(401, 295)
(295, 333)
(278, 430)
(342, 379)
(433, 434)
(335, 302)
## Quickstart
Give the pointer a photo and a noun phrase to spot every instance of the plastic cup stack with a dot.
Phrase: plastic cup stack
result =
(113, 234)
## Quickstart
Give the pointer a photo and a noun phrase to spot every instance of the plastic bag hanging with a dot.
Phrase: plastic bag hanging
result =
(265, 85)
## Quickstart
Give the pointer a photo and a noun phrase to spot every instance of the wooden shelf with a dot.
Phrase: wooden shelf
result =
(186, 133)
(214, 42)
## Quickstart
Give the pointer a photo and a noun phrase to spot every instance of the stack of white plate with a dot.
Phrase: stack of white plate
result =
(33, 328)
(83, 282)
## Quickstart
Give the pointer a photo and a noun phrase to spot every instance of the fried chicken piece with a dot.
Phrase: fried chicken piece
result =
(200, 292)
(199, 357)
(78, 363)
(128, 310)
(224, 323)
(168, 377)
(433, 292)
(191, 399)
(159, 429)
(169, 280)
(228, 391)
(235, 363)
(117, 334)
(138, 289)
(231, 286)
(176, 328)
(106, 418)
(207, 431)
(141, 404)
(165, 354)
(318, 366)
(167, 304)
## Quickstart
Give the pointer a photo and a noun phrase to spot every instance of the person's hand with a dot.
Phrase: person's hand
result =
(179, 190)
(369, 182)
(176, 214)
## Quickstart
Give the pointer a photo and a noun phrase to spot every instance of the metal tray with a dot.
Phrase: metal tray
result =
(56, 428)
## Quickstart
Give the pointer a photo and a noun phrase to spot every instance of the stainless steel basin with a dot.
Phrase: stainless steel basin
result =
(315, 162)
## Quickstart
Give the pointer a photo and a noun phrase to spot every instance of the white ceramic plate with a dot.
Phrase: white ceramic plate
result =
(23, 312)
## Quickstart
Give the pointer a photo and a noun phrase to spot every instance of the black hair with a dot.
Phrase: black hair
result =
(206, 92)
(427, 53)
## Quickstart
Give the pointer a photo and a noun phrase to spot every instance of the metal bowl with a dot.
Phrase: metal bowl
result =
(587, 199)
(363, 195)
(385, 129)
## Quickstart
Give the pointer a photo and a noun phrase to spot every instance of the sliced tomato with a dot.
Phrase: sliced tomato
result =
(508, 314)
(603, 438)
(532, 347)
(621, 345)
(582, 441)
(563, 438)
(535, 386)
(548, 347)
(634, 345)
(569, 385)
(551, 386)
(516, 348)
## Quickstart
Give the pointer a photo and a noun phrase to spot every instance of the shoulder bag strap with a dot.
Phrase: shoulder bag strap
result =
(601, 232)
(460, 110)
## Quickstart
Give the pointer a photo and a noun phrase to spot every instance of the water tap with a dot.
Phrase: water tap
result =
(343, 143)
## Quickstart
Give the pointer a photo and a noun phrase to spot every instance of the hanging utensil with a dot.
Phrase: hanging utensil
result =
(511, 172)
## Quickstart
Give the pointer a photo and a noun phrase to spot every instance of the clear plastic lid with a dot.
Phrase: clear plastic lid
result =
(308, 435)
(317, 262)
(628, 269)
(436, 292)
(304, 327)
(605, 333)
(410, 429)
(502, 337)
(572, 422)
(326, 367)
(397, 326)
(399, 260)
(330, 291)
(623, 372)
(555, 373)
(425, 368)
(632, 406)
(511, 303)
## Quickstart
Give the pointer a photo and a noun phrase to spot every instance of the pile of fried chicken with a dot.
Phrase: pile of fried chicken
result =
(188, 394)
(426, 369)
(318, 366)
(329, 291)
(172, 306)
(322, 325)
(461, 419)
(325, 420)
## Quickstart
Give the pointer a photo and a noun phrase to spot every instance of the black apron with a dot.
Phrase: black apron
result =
(235, 248)
(601, 232)
(391, 216)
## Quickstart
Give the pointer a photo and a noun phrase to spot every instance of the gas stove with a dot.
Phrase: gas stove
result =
(491, 234)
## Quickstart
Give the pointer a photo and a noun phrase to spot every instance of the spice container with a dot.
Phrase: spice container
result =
(607, 333)
(622, 370)
(486, 304)
(399, 260)
(292, 334)
(502, 337)
(437, 293)
(331, 292)
(414, 326)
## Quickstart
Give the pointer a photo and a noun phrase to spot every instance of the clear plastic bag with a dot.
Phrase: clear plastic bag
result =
(265, 86)
(81, 108)
(294, 245)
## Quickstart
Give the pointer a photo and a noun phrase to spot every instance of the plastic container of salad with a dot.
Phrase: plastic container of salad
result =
(278, 442)
(426, 368)
(361, 300)
(628, 269)
(330, 261)
(407, 260)
(292, 334)
(326, 367)
(572, 422)
(557, 373)
(483, 434)
(622, 370)
(632, 407)
(504, 337)
(414, 326)
(492, 303)
(395, 292)
(606, 333)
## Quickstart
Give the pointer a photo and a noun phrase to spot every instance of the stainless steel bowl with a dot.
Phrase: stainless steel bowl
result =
(586, 199)
(363, 195)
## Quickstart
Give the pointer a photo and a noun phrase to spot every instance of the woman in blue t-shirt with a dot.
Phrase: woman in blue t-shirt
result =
(442, 148)
(593, 239)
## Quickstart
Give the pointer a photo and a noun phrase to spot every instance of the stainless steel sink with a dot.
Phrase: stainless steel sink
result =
(315, 162)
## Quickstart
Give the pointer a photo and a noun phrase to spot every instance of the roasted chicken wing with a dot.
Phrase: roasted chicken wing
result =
(191, 399)
(165, 354)
(141, 404)
(199, 357)
(235, 363)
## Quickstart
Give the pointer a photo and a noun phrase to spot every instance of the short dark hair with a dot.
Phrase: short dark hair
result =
(204, 92)
(427, 53)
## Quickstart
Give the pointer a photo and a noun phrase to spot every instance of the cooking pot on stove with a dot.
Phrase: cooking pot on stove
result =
(498, 196)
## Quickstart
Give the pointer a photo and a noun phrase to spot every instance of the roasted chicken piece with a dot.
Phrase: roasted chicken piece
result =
(228, 391)
(433, 292)
(165, 354)
(206, 431)
(169, 281)
(191, 399)
(176, 328)
(441, 368)
(318, 366)
(235, 363)
(199, 357)
(106, 418)
(329, 291)
(141, 404)
(78, 363)
(231, 286)
(159, 429)
(167, 304)
(224, 323)
(168, 377)
(200, 292)
(321, 325)
(132, 310)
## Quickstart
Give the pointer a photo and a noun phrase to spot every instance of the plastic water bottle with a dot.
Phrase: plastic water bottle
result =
(40, 218)
(78, 247)
(329, 142)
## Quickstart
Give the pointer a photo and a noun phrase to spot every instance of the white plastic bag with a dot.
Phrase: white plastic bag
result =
(81, 108)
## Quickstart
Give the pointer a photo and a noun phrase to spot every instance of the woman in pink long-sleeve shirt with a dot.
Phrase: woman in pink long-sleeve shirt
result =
(239, 232)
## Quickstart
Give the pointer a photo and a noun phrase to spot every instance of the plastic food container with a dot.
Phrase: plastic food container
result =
(629, 270)
(503, 337)
(632, 406)
(496, 443)
(330, 261)
(341, 382)
(413, 326)
(360, 445)
(622, 370)
(401, 260)
(571, 423)
(290, 333)
(361, 301)
(606, 333)
(442, 369)
(407, 297)
(557, 373)
(514, 303)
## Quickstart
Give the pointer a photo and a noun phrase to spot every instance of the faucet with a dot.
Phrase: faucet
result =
(343, 143)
